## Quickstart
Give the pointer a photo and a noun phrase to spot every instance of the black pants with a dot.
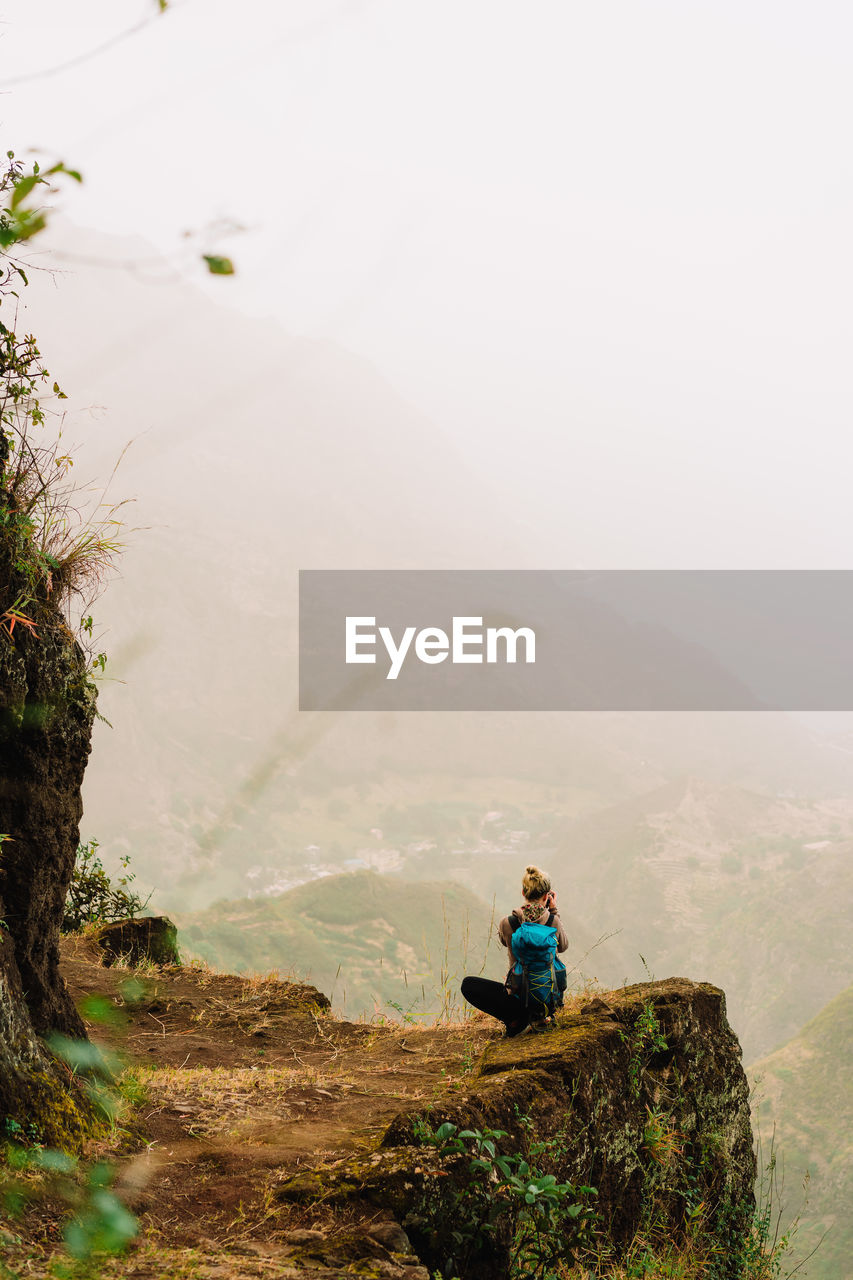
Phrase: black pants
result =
(493, 997)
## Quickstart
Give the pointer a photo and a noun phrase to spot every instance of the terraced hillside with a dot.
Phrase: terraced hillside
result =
(805, 1093)
(738, 886)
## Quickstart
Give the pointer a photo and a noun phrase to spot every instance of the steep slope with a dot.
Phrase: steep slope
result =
(805, 1092)
(374, 943)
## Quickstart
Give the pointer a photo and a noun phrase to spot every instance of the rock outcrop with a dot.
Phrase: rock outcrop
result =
(46, 711)
(643, 1095)
(47, 707)
(151, 939)
(37, 1097)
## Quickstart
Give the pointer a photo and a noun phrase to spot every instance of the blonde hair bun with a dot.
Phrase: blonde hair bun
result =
(535, 884)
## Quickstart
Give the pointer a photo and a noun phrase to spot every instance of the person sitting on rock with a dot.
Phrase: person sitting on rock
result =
(536, 979)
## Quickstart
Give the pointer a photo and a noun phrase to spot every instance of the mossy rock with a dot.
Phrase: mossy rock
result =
(38, 1097)
(589, 1087)
(150, 939)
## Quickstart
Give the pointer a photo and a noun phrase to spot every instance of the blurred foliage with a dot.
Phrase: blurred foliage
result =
(95, 1221)
(218, 266)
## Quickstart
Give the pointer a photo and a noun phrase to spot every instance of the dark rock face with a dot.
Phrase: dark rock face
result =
(46, 711)
(656, 1128)
(34, 1092)
(151, 938)
(616, 1076)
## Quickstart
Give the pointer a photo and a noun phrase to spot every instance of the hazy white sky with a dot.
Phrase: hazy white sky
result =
(605, 246)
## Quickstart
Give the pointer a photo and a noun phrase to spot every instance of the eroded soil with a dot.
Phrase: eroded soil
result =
(236, 1084)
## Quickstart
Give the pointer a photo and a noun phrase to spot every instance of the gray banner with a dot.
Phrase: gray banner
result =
(542, 640)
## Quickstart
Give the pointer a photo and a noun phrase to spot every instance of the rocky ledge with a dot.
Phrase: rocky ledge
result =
(639, 1094)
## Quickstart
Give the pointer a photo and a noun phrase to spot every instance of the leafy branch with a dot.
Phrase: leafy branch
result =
(547, 1218)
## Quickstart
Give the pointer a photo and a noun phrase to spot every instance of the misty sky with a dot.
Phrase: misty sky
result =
(606, 247)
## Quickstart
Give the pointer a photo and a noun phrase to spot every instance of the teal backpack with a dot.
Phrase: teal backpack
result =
(538, 978)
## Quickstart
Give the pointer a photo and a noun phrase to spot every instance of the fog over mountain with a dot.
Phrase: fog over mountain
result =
(255, 454)
(252, 455)
(563, 287)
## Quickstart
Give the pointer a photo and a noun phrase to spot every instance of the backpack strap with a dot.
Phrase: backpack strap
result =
(515, 921)
(514, 981)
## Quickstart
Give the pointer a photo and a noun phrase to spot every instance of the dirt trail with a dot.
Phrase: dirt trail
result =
(241, 1083)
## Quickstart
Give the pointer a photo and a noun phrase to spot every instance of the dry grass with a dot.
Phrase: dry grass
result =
(226, 1101)
(72, 535)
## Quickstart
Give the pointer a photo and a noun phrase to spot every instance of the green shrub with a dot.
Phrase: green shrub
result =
(93, 898)
(547, 1219)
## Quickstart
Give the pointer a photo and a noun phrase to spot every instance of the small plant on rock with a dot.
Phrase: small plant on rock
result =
(93, 898)
(645, 1039)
